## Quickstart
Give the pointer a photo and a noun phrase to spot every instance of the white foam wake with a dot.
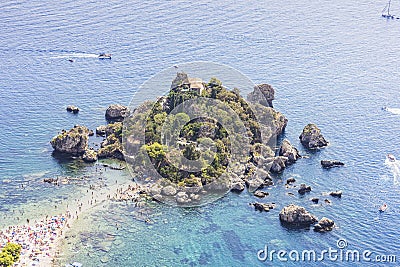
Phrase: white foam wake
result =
(394, 110)
(76, 55)
(394, 166)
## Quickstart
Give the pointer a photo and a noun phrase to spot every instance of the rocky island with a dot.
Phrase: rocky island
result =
(219, 171)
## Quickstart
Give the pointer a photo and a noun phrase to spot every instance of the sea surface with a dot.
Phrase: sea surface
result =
(333, 63)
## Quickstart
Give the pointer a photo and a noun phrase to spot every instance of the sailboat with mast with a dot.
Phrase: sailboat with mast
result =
(387, 8)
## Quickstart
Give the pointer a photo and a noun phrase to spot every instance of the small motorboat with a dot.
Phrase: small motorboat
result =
(104, 56)
(383, 207)
(391, 157)
(75, 264)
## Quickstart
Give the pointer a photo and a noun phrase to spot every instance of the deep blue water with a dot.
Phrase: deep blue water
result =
(332, 63)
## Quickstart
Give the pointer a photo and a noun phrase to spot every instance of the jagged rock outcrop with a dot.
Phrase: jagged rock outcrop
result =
(304, 189)
(312, 138)
(72, 109)
(260, 194)
(315, 200)
(324, 225)
(289, 151)
(111, 148)
(337, 194)
(116, 112)
(258, 179)
(73, 142)
(101, 130)
(331, 163)
(290, 180)
(90, 156)
(296, 216)
(263, 206)
(263, 94)
(279, 164)
(114, 128)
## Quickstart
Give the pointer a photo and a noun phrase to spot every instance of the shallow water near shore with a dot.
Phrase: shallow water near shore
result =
(336, 69)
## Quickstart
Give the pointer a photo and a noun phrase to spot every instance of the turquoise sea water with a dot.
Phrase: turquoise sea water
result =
(332, 63)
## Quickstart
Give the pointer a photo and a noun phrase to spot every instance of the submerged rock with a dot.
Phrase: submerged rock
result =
(263, 206)
(296, 216)
(331, 163)
(116, 112)
(289, 151)
(73, 142)
(72, 109)
(312, 138)
(324, 225)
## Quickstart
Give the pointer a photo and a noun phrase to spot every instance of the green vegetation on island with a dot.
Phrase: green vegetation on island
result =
(10, 254)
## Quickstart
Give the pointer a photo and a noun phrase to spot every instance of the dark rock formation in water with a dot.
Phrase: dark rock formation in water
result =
(289, 151)
(304, 189)
(312, 138)
(324, 225)
(337, 194)
(296, 216)
(315, 200)
(73, 109)
(263, 206)
(290, 180)
(116, 112)
(73, 142)
(331, 163)
(260, 194)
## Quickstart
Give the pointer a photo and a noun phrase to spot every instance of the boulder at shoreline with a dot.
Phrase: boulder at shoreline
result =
(90, 156)
(73, 142)
(116, 112)
(312, 138)
(289, 151)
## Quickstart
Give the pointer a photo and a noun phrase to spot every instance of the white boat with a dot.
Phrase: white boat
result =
(383, 208)
(391, 157)
(75, 264)
(104, 56)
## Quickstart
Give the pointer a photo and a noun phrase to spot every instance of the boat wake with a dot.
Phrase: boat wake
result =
(395, 111)
(76, 55)
(394, 166)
